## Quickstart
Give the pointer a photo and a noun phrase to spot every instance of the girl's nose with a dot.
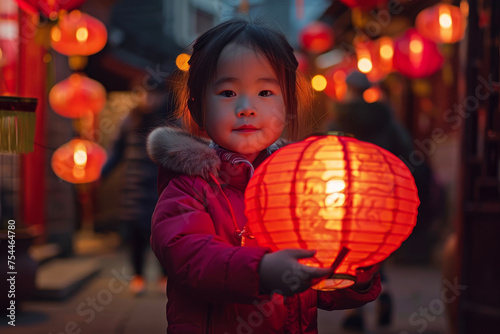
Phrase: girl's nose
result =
(244, 107)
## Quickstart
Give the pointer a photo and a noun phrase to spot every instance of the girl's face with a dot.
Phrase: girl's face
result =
(245, 111)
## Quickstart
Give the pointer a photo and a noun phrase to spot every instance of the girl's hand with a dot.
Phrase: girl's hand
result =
(281, 273)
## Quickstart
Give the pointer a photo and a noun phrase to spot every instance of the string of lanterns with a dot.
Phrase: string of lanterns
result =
(76, 35)
(415, 53)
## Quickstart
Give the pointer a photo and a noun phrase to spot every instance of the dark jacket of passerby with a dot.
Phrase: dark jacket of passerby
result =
(213, 282)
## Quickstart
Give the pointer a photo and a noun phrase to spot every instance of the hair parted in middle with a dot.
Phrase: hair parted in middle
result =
(192, 86)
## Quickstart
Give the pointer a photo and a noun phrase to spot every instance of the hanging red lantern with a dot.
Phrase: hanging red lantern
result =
(332, 194)
(375, 57)
(316, 37)
(416, 56)
(49, 8)
(78, 34)
(364, 4)
(442, 23)
(78, 161)
(77, 96)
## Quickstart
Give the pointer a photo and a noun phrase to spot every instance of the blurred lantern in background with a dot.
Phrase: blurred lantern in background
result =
(442, 23)
(49, 8)
(316, 37)
(78, 34)
(336, 87)
(364, 4)
(77, 96)
(332, 193)
(375, 57)
(416, 56)
(372, 94)
(9, 37)
(79, 161)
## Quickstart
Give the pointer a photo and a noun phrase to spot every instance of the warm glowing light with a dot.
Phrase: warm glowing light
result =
(416, 46)
(365, 65)
(318, 82)
(445, 21)
(78, 161)
(80, 155)
(1, 54)
(464, 8)
(55, 34)
(386, 51)
(182, 61)
(82, 34)
(329, 193)
(371, 95)
(334, 186)
(442, 23)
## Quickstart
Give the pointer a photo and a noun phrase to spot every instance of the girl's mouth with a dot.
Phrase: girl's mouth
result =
(246, 128)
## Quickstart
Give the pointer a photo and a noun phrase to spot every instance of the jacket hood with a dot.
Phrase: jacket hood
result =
(176, 150)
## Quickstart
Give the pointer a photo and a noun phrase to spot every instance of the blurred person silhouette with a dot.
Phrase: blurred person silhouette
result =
(375, 123)
(138, 188)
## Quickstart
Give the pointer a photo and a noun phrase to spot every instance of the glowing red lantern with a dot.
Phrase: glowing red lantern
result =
(416, 56)
(442, 23)
(78, 161)
(77, 96)
(332, 193)
(364, 4)
(48, 8)
(78, 34)
(316, 37)
(375, 57)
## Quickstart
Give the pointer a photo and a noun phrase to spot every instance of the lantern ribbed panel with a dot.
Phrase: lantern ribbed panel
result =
(329, 192)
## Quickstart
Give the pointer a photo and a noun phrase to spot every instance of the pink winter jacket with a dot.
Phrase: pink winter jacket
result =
(213, 282)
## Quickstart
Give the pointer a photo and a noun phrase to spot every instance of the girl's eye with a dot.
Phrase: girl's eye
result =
(228, 93)
(265, 93)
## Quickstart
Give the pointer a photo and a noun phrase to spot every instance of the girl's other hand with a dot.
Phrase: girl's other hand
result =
(280, 272)
(364, 277)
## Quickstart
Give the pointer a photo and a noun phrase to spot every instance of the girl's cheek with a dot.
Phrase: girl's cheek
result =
(277, 121)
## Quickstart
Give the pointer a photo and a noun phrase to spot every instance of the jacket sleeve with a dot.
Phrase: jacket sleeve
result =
(348, 298)
(184, 240)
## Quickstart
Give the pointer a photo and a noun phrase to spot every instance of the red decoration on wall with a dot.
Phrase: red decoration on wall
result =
(416, 56)
(49, 8)
(442, 23)
(329, 193)
(364, 4)
(77, 96)
(78, 161)
(316, 37)
(78, 34)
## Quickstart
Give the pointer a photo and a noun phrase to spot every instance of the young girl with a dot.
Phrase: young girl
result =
(241, 91)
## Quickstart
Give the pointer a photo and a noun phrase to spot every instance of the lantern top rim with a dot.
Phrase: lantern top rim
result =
(332, 133)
